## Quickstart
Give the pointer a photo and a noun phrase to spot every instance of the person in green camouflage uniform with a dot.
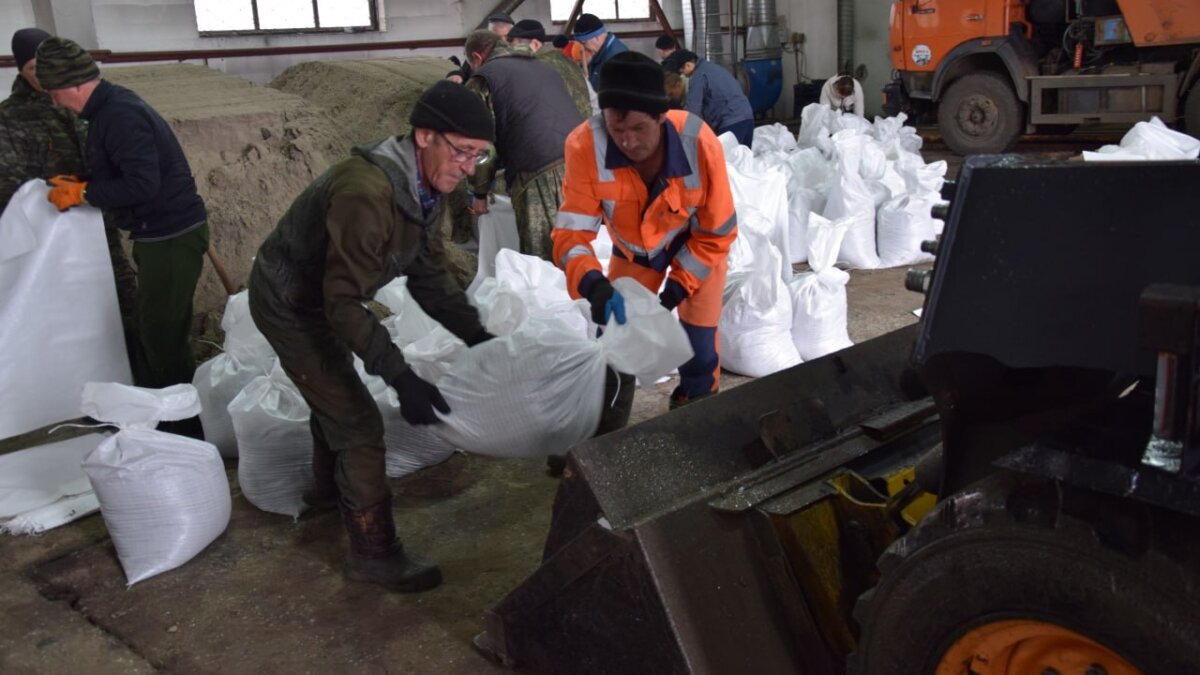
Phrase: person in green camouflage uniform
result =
(38, 140)
(534, 113)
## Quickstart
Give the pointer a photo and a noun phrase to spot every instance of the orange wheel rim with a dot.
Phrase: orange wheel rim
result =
(1030, 648)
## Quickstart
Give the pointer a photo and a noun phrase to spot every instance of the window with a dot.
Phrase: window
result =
(222, 17)
(606, 10)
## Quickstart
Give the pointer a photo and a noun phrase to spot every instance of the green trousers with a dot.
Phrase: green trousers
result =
(535, 199)
(167, 273)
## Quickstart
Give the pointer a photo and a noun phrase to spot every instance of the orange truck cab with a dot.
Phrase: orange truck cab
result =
(992, 69)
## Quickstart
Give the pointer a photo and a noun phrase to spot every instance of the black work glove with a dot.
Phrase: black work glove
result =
(598, 296)
(672, 294)
(480, 337)
(418, 399)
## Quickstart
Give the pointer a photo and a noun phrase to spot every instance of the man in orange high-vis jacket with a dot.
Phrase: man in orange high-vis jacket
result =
(657, 179)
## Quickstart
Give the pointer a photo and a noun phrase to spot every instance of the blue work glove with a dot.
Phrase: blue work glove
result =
(418, 399)
(606, 303)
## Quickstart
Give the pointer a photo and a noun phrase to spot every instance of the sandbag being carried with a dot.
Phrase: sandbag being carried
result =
(651, 343)
(756, 319)
(819, 297)
(59, 322)
(534, 392)
(409, 447)
(275, 444)
(164, 497)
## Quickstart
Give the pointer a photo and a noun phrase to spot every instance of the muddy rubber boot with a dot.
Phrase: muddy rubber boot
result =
(323, 494)
(376, 556)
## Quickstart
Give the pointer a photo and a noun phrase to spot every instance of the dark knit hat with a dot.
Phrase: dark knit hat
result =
(560, 41)
(25, 43)
(500, 17)
(450, 107)
(632, 81)
(61, 63)
(665, 42)
(588, 26)
(528, 29)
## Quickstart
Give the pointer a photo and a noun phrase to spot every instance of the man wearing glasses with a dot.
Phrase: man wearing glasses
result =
(534, 113)
(364, 222)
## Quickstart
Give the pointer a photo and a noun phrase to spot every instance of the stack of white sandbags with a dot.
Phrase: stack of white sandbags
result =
(1151, 140)
(819, 297)
(164, 497)
(219, 380)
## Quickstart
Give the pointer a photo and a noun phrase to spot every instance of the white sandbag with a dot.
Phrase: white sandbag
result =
(851, 201)
(275, 444)
(44, 486)
(894, 137)
(164, 497)
(756, 318)
(408, 322)
(904, 223)
(819, 310)
(497, 232)
(772, 138)
(59, 322)
(761, 201)
(651, 343)
(921, 179)
(409, 447)
(218, 381)
(543, 288)
(243, 340)
(501, 309)
(798, 213)
(1151, 140)
(814, 127)
(535, 392)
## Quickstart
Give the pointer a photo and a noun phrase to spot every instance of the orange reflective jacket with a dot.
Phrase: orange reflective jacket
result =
(689, 226)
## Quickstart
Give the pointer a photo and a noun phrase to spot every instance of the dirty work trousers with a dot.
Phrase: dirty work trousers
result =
(167, 273)
(700, 314)
(535, 199)
(347, 427)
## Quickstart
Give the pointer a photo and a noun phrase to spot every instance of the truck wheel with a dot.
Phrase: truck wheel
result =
(1035, 577)
(1191, 111)
(980, 113)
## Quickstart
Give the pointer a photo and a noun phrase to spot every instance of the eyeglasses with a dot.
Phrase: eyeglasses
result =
(459, 155)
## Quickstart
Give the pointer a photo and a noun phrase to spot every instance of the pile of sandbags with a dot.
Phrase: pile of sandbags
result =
(164, 497)
(1151, 140)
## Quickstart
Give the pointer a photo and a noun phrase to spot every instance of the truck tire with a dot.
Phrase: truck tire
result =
(1191, 111)
(980, 113)
(1115, 582)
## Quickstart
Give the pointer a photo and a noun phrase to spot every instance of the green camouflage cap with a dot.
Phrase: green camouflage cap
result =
(62, 63)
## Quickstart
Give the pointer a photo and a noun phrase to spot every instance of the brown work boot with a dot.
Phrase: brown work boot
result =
(376, 556)
(679, 399)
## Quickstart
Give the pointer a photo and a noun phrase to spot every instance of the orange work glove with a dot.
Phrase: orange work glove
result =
(66, 191)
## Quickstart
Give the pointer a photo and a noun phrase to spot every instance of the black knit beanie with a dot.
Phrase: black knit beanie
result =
(450, 107)
(61, 63)
(632, 81)
(665, 42)
(25, 43)
(528, 29)
(588, 26)
(560, 41)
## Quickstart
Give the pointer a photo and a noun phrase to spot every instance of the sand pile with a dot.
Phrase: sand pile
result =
(252, 150)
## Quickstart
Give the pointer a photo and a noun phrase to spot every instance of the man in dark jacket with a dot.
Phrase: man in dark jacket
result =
(530, 34)
(364, 222)
(599, 45)
(713, 94)
(138, 175)
(533, 113)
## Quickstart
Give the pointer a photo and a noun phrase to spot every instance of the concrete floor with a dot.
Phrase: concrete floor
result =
(268, 597)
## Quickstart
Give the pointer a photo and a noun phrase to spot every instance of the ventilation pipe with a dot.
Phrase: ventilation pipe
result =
(845, 48)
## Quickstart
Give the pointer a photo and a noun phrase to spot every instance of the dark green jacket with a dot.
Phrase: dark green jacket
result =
(37, 140)
(356, 228)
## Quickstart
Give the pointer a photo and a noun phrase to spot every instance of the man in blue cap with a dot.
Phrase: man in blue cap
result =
(599, 45)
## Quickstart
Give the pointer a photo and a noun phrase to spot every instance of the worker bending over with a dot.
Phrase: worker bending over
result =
(364, 222)
(533, 113)
(599, 45)
(137, 174)
(657, 179)
(714, 95)
(844, 94)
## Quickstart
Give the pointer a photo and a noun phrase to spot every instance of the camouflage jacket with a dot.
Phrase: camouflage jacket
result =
(572, 76)
(37, 140)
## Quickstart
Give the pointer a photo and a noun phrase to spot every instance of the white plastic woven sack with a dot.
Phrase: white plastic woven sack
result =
(756, 319)
(164, 497)
(819, 311)
(1151, 140)
(535, 392)
(59, 322)
(814, 127)
(275, 444)
(44, 486)
(850, 200)
(894, 137)
(543, 289)
(218, 381)
(761, 201)
(921, 179)
(651, 343)
(772, 138)
(904, 223)
(243, 340)
(497, 232)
